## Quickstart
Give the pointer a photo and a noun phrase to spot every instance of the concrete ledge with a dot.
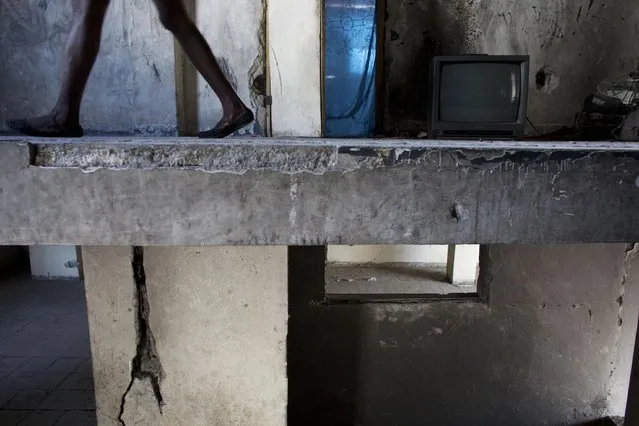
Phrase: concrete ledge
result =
(176, 191)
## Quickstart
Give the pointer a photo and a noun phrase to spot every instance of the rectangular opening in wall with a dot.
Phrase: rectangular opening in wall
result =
(401, 272)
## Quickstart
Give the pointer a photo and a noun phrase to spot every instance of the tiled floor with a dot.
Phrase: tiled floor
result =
(45, 364)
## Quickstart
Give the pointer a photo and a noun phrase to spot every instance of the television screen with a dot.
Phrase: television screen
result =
(479, 92)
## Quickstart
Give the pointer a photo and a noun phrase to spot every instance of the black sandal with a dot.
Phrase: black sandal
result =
(228, 129)
(24, 127)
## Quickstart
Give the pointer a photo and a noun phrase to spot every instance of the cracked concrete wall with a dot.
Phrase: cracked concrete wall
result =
(208, 325)
(575, 44)
(552, 345)
(132, 87)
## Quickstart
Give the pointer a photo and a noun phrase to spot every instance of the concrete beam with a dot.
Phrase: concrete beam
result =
(175, 191)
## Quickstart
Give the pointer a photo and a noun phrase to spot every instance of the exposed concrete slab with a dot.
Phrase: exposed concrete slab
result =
(316, 191)
(188, 335)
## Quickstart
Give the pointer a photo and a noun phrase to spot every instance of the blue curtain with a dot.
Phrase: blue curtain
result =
(350, 40)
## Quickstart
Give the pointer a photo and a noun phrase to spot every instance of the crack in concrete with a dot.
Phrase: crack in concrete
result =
(146, 363)
(258, 84)
(631, 250)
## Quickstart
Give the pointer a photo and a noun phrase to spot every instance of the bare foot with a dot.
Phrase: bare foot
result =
(229, 125)
(45, 126)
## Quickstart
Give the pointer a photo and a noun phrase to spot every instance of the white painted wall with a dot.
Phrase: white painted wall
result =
(462, 265)
(387, 254)
(294, 29)
(51, 262)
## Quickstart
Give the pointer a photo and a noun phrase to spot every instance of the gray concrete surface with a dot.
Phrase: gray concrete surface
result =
(550, 346)
(270, 193)
(209, 324)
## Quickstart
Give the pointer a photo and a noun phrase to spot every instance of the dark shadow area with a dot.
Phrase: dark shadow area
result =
(46, 375)
(505, 358)
(323, 347)
(13, 260)
(415, 33)
(608, 421)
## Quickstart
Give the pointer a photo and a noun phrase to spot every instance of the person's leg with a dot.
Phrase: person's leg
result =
(81, 51)
(174, 18)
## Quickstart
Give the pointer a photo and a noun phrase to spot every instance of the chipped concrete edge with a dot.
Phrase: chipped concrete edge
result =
(292, 158)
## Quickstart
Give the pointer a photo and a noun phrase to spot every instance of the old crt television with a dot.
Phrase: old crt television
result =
(478, 96)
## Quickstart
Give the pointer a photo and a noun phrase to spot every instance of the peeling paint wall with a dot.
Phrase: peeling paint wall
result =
(551, 346)
(576, 44)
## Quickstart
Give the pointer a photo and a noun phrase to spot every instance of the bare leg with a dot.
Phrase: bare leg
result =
(174, 18)
(81, 51)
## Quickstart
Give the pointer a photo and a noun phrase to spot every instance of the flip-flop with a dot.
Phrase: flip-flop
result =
(228, 129)
(24, 127)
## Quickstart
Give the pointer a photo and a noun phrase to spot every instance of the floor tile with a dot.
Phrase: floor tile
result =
(37, 363)
(77, 418)
(27, 399)
(66, 364)
(45, 344)
(86, 367)
(63, 399)
(6, 395)
(33, 380)
(77, 381)
(12, 417)
(18, 380)
(46, 380)
(42, 418)
(12, 363)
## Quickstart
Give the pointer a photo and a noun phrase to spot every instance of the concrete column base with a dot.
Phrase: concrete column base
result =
(188, 336)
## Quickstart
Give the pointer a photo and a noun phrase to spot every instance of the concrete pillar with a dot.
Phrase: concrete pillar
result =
(191, 336)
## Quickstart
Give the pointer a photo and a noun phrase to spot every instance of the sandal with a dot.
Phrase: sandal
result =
(230, 128)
